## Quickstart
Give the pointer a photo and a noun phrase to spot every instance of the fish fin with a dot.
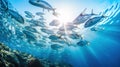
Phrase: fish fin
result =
(92, 12)
(83, 11)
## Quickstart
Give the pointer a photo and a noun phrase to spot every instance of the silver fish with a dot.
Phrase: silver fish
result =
(54, 37)
(43, 4)
(29, 14)
(39, 44)
(83, 17)
(29, 35)
(4, 4)
(93, 21)
(74, 36)
(47, 31)
(83, 43)
(16, 16)
(54, 23)
(31, 29)
(56, 46)
(40, 13)
(70, 26)
(97, 29)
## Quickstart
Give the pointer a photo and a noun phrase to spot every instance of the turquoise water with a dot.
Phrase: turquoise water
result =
(102, 51)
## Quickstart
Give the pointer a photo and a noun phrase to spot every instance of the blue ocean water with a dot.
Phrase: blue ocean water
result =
(33, 38)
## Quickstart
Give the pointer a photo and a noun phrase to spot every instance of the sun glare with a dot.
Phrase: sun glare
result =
(65, 15)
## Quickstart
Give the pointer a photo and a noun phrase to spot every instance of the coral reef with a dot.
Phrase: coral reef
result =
(14, 58)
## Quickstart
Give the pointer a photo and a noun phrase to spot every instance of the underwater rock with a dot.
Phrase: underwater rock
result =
(60, 65)
(2, 63)
(2, 47)
(35, 63)
(11, 57)
(14, 58)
